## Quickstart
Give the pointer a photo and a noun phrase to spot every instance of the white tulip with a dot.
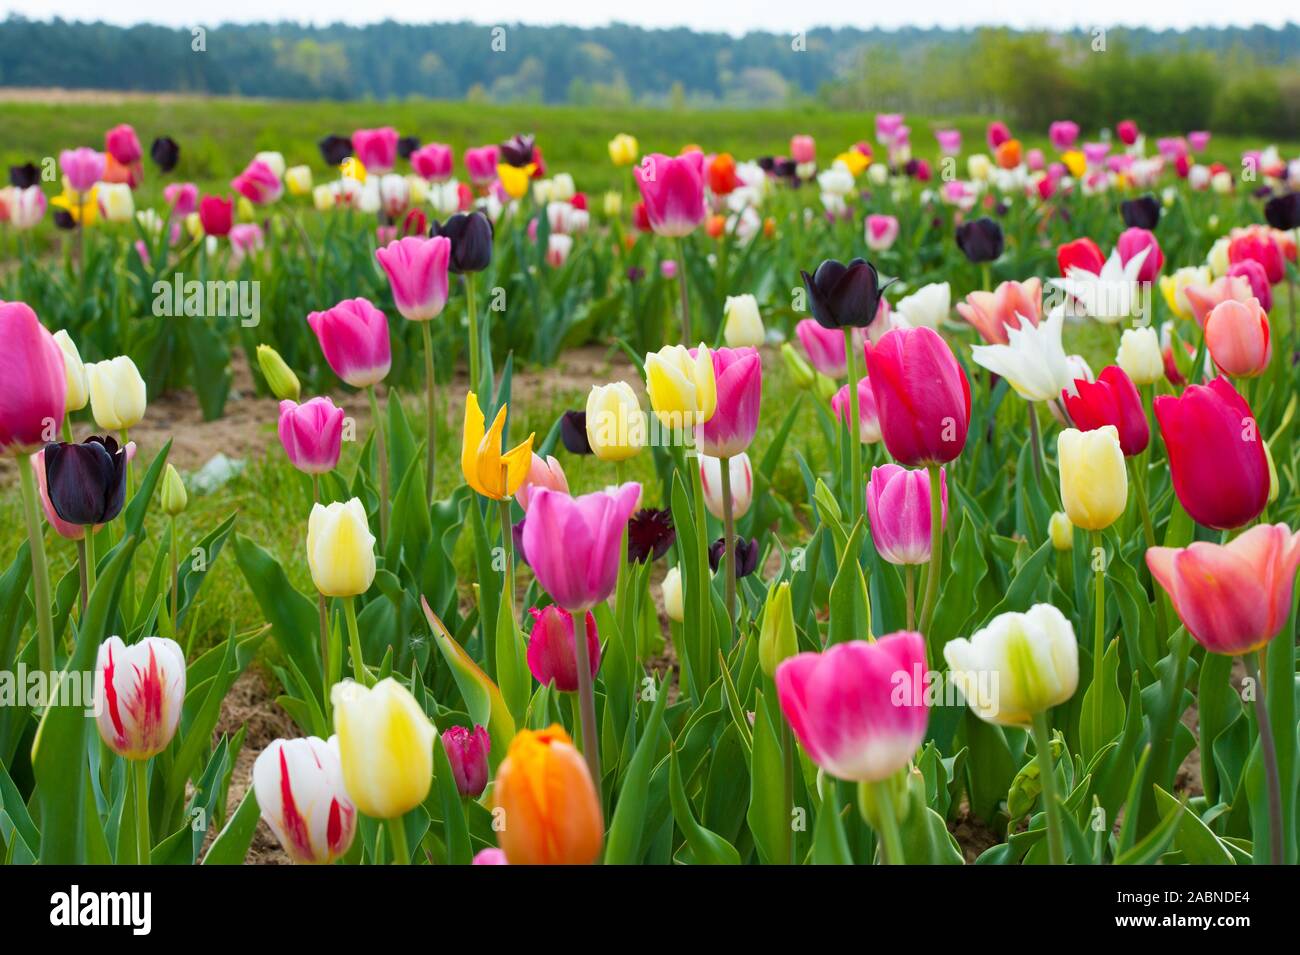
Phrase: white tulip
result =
(928, 306)
(1033, 361)
(742, 322)
(118, 396)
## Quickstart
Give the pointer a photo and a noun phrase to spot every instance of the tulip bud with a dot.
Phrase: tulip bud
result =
(340, 549)
(672, 593)
(298, 179)
(551, 810)
(1094, 481)
(613, 204)
(741, 479)
(299, 788)
(743, 325)
(385, 746)
(777, 639)
(279, 376)
(467, 752)
(139, 691)
(1061, 531)
(1139, 355)
(173, 498)
(552, 648)
(682, 387)
(1273, 486)
(615, 423)
(78, 386)
(800, 371)
(117, 393)
(869, 799)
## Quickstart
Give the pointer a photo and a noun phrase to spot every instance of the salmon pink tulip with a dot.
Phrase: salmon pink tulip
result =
(1237, 336)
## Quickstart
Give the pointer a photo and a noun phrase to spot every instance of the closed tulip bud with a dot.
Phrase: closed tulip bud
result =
(615, 424)
(922, 396)
(173, 498)
(552, 650)
(681, 384)
(980, 240)
(550, 808)
(777, 640)
(470, 234)
(1273, 487)
(279, 376)
(742, 484)
(417, 272)
(139, 692)
(486, 469)
(1094, 481)
(1237, 336)
(842, 295)
(312, 434)
(1020, 665)
(353, 335)
(1061, 531)
(742, 323)
(75, 372)
(117, 393)
(613, 204)
(467, 752)
(385, 746)
(672, 594)
(573, 544)
(898, 508)
(299, 788)
(800, 371)
(298, 179)
(340, 549)
(1139, 355)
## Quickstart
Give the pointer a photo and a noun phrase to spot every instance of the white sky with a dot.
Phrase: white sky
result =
(731, 17)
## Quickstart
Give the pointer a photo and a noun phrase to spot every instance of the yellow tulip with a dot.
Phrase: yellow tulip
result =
(340, 549)
(1061, 531)
(623, 149)
(514, 179)
(1094, 483)
(616, 425)
(353, 168)
(385, 747)
(1174, 287)
(1076, 162)
(854, 161)
(298, 179)
(683, 391)
(85, 212)
(488, 471)
(117, 393)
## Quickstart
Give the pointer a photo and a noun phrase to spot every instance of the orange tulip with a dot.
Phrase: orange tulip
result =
(1009, 154)
(551, 811)
(716, 225)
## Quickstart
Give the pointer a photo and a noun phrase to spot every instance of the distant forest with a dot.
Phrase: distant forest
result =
(1236, 79)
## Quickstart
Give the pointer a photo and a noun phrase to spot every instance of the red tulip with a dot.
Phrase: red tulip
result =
(1111, 399)
(1080, 254)
(217, 215)
(1216, 454)
(1258, 244)
(922, 396)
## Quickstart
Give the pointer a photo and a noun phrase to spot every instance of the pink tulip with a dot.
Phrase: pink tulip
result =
(246, 239)
(1132, 242)
(300, 791)
(573, 543)
(1254, 273)
(803, 149)
(183, 197)
(467, 752)
(898, 507)
(673, 190)
(1035, 160)
(740, 475)
(552, 653)
(1234, 597)
(859, 708)
(997, 134)
(433, 162)
(739, 376)
(1237, 336)
(1204, 298)
(139, 691)
(882, 231)
(376, 149)
(1095, 153)
(123, 144)
(887, 126)
(82, 168)
(33, 381)
(825, 347)
(949, 141)
(258, 183)
(417, 272)
(312, 434)
(481, 164)
(993, 313)
(1127, 130)
(922, 396)
(868, 419)
(1198, 140)
(1063, 134)
(490, 857)
(354, 337)
(543, 472)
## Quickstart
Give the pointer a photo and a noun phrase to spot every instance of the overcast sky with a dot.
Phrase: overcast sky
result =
(777, 15)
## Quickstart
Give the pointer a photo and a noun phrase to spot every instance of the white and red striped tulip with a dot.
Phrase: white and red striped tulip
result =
(299, 788)
(139, 691)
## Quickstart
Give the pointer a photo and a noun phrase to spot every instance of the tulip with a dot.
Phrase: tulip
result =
(1080, 254)
(949, 141)
(1254, 273)
(1061, 531)
(738, 383)
(340, 549)
(1258, 244)
(978, 167)
(777, 640)
(623, 150)
(116, 204)
(745, 553)
(558, 247)
(672, 188)
(78, 391)
(1131, 243)
(573, 543)
(66, 530)
(1174, 287)
(825, 347)
(1283, 212)
(1237, 337)
(467, 751)
(385, 746)
(417, 272)
(246, 239)
(842, 296)
(1234, 598)
(279, 376)
(552, 651)
(470, 235)
(1141, 213)
(298, 179)
(1220, 469)
(433, 162)
(173, 497)
(481, 164)
(86, 482)
(928, 306)
(354, 337)
(117, 393)
(1008, 154)
(1203, 299)
(27, 207)
(614, 426)
(1033, 360)
(994, 313)
(165, 152)
(858, 709)
(1094, 481)
(741, 479)
(980, 240)
(312, 434)
(682, 386)
(489, 472)
(299, 788)
(1063, 134)
(376, 148)
(139, 691)
(867, 418)
(922, 396)
(742, 323)
(549, 803)
(82, 168)
(1112, 400)
(898, 509)
(258, 183)
(489, 857)
(216, 214)
(650, 533)
(672, 594)
(881, 232)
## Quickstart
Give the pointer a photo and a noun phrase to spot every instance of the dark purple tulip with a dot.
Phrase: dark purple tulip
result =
(650, 533)
(1283, 212)
(517, 151)
(635, 273)
(87, 481)
(1141, 213)
(24, 176)
(746, 556)
(166, 153)
(63, 220)
(842, 295)
(980, 240)
(407, 145)
(517, 535)
(573, 432)
(335, 149)
(470, 234)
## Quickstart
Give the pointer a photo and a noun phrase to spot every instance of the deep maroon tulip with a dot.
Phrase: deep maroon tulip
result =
(470, 234)
(573, 432)
(87, 481)
(746, 556)
(1283, 212)
(650, 533)
(980, 240)
(517, 151)
(1141, 213)
(1111, 399)
(841, 296)
(335, 149)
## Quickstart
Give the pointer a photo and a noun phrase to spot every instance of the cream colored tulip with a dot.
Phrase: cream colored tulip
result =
(385, 747)
(298, 179)
(275, 161)
(340, 549)
(742, 322)
(1139, 355)
(116, 202)
(616, 425)
(118, 396)
(78, 385)
(1094, 482)
(672, 591)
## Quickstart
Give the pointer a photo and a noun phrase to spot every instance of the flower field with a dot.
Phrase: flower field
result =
(428, 485)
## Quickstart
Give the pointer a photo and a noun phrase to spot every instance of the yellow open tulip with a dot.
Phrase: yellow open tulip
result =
(486, 469)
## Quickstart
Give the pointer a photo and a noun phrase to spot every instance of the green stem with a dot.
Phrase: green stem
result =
(92, 568)
(936, 547)
(475, 346)
(397, 835)
(909, 576)
(1149, 536)
(586, 700)
(431, 408)
(140, 768)
(1098, 633)
(40, 571)
(128, 581)
(729, 548)
(1269, 751)
(788, 762)
(890, 836)
(685, 293)
(703, 626)
(359, 671)
(176, 576)
(324, 623)
(1047, 776)
(81, 572)
(855, 443)
(382, 454)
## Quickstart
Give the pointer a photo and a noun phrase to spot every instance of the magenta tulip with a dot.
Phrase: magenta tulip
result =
(672, 188)
(123, 144)
(376, 149)
(481, 164)
(433, 162)
(868, 417)
(183, 197)
(354, 337)
(1063, 134)
(467, 752)
(859, 708)
(922, 396)
(417, 272)
(312, 434)
(258, 183)
(33, 381)
(552, 653)
(898, 507)
(573, 543)
(1134, 240)
(824, 346)
(738, 373)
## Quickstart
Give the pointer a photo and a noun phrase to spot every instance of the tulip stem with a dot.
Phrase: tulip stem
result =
(508, 547)
(128, 579)
(936, 546)
(1036, 443)
(397, 835)
(140, 768)
(729, 548)
(359, 671)
(431, 408)
(909, 577)
(891, 839)
(91, 560)
(788, 760)
(855, 443)
(1149, 535)
(324, 624)
(1047, 776)
(176, 575)
(81, 572)
(1269, 753)
(40, 572)
(382, 454)
(1098, 634)
(475, 358)
(685, 293)
(586, 700)
(702, 629)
